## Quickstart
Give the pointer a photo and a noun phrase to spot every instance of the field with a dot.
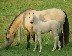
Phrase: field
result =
(10, 8)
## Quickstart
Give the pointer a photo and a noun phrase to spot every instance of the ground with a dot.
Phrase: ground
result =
(10, 8)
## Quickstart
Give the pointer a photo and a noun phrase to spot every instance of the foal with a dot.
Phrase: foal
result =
(43, 27)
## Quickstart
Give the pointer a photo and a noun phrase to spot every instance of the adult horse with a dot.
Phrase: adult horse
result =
(16, 24)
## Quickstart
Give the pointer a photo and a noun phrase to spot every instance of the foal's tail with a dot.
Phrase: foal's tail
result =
(66, 30)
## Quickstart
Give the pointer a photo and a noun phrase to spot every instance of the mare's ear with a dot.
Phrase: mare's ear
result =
(41, 17)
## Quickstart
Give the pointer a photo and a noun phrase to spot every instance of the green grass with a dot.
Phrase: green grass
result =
(10, 8)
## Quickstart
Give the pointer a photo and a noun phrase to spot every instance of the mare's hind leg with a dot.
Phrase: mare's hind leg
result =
(28, 38)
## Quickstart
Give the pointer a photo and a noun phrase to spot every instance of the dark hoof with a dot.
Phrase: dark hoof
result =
(27, 47)
(17, 44)
(7, 47)
(37, 46)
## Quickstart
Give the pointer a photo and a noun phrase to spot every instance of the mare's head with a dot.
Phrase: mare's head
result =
(8, 39)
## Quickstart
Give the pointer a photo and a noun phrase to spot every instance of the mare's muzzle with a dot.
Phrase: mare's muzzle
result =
(8, 42)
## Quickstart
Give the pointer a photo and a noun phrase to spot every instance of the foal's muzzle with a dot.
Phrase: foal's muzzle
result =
(31, 22)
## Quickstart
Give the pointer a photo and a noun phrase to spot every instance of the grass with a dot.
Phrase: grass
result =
(10, 8)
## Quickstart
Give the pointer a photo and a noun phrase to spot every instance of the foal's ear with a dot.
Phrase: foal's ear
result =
(41, 17)
(24, 16)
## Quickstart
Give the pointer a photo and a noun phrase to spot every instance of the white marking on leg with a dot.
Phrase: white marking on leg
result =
(55, 43)
(39, 39)
(59, 45)
(36, 42)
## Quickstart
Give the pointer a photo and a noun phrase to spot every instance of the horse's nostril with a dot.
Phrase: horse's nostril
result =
(31, 22)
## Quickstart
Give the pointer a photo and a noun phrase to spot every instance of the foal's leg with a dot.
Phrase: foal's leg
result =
(55, 43)
(28, 38)
(39, 40)
(59, 45)
(36, 42)
(33, 36)
(56, 38)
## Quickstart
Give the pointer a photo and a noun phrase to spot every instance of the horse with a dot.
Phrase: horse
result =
(50, 14)
(21, 18)
(16, 24)
(40, 26)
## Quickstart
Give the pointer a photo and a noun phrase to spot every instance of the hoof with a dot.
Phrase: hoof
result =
(33, 50)
(27, 47)
(39, 51)
(7, 47)
(53, 49)
(17, 44)
(59, 49)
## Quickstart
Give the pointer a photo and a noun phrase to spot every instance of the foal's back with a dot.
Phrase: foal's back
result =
(48, 25)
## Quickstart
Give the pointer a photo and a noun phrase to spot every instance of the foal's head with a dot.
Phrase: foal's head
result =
(29, 17)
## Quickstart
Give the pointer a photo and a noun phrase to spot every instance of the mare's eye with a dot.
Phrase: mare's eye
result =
(29, 17)
(29, 13)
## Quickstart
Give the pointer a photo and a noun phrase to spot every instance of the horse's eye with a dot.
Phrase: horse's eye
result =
(33, 13)
(29, 13)
(29, 17)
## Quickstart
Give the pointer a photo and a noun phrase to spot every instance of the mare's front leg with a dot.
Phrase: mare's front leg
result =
(28, 38)
(19, 36)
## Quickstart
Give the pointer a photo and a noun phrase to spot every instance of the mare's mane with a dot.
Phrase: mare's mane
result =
(16, 17)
